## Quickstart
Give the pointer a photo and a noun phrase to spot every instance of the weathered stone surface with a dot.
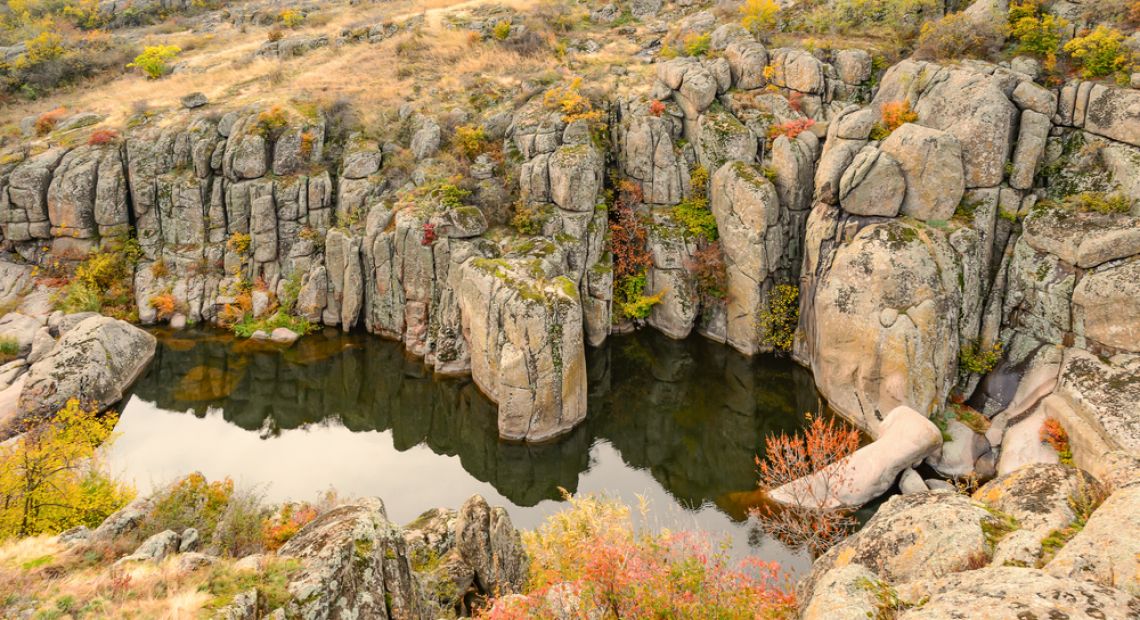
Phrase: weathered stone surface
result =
(747, 210)
(1114, 113)
(722, 138)
(1106, 307)
(873, 184)
(354, 565)
(905, 438)
(899, 543)
(958, 455)
(155, 548)
(526, 347)
(488, 543)
(425, 141)
(575, 177)
(931, 162)
(1030, 96)
(888, 335)
(1082, 239)
(747, 59)
(1030, 148)
(1104, 393)
(1105, 550)
(96, 362)
(843, 593)
(853, 65)
(21, 328)
(1014, 593)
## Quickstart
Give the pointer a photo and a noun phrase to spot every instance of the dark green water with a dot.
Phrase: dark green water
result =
(678, 423)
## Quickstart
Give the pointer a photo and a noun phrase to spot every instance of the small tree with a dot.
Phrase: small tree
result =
(1100, 52)
(811, 519)
(152, 61)
(51, 477)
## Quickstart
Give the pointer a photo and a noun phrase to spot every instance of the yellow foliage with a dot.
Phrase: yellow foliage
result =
(1100, 52)
(758, 16)
(152, 61)
(51, 478)
(571, 102)
(292, 18)
(41, 48)
(777, 323)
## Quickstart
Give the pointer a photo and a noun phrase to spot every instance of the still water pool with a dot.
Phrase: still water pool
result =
(677, 423)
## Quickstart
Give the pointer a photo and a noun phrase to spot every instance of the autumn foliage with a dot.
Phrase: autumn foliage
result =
(896, 113)
(791, 129)
(812, 524)
(593, 553)
(1057, 437)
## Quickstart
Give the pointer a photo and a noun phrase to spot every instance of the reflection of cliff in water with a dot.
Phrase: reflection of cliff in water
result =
(693, 413)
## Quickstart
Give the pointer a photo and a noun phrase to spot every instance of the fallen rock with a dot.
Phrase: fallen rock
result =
(905, 439)
(94, 362)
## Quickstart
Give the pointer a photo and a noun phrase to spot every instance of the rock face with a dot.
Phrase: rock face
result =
(893, 335)
(1105, 551)
(931, 162)
(1002, 592)
(526, 347)
(96, 361)
(355, 565)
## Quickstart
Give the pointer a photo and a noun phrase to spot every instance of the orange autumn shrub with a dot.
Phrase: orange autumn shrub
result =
(101, 137)
(1057, 437)
(278, 529)
(791, 129)
(896, 113)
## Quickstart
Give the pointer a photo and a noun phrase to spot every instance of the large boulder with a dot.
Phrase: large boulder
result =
(1114, 113)
(526, 341)
(884, 326)
(354, 565)
(914, 537)
(1014, 594)
(1105, 551)
(873, 184)
(747, 211)
(905, 439)
(488, 543)
(95, 362)
(931, 162)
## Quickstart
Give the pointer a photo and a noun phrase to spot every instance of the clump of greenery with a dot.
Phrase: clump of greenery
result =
(1036, 33)
(528, 220)
(979, 361)
(777, 322)
(270, 122)
(271, 583)
(501, 31)
(52, 477)
(570, 101)
(103, 282)
(229, 521)
(9, 349)
(1098, 202)
(153, 60)
(696, 44)
(622, 571)
(291, 18)
(249, 325)
(892, 115)
(759, 16)
(1100, 53)
(1083, 502)
(630, 298)
(959, 35)
(470, 141)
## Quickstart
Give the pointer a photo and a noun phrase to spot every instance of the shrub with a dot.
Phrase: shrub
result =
(450, 196)
(44, 47)
(152, 61)
(191, 501)
(528, 220)
(103, 282)
(630, 298)
(708, 268)
(163, 304)
(270, 122)
(759, 16)
(291, 18)
(777, 322)
(1036, 33)
(274, 35)
(470, 140)
(47, 121)
(892, 115)
(1057, 437)
(501, 31)
(285, 523)
(696, 217)
(977, 361)
(248, 325)
(656, 107)
(9, 348)
(616, 570)
(52, 477)
(428, 234)
(1100, 52)
(628, 238)
(239, 243)
(102, 137)
(816, 524)
(959, 35)
(791, 129)
(1098, 202)
(696, 44)
(570, 101)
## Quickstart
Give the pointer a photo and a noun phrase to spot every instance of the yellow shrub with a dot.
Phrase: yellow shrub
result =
(759, 16)
(152, 61)
(51, 478)
(1100, 52)
(292, 18)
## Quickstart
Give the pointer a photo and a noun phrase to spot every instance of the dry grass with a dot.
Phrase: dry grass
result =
(42, 573)
(222, 65)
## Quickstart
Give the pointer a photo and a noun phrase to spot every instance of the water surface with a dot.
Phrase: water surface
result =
(676, 422)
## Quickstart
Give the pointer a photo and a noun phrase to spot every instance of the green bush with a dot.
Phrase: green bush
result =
(1099, 202)
(978, 361)
(152, 61)
(694, 214)
(630, 298)
(1100, 53)
(777, 322)
(249, 325)
(1036, 33)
